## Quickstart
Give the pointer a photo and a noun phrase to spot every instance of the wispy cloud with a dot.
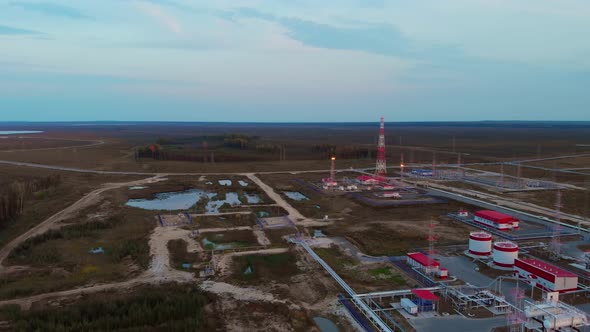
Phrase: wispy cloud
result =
(157, 13)
(6, 30)
(51, 9)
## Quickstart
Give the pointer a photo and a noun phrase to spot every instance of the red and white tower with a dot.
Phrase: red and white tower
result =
(381, 167)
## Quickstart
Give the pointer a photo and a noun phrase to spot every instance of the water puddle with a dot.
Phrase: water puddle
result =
(170, 201)
(210, 245)
(296, 196)
(226, 183)
(252, 198)
(230, 198)
(325, 325)
(243, 183)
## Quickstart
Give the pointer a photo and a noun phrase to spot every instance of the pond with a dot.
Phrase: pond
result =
(19, 132)
(325, 324)
(243, 183)
(296, 196)
(180, 200)
(252, 198)
(230, 198)
(226, 183)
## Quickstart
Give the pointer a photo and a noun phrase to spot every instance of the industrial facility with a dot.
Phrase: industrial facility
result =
(496, 220)
(545, 276)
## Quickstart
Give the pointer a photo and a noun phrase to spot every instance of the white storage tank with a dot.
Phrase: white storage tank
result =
(504, 253)
(480, 243)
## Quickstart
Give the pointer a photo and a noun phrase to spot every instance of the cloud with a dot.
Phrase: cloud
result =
(51, 9)
(6, 30)
(382, 39)
(157, 13)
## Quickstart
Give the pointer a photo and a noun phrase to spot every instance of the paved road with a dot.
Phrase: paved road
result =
(511, 207)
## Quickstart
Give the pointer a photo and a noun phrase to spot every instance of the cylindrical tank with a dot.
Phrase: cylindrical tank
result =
(480, 243)
(505, 253)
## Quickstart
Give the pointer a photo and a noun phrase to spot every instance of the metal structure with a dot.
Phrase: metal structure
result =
(381, 166)
(516, 319)
(556, 238)
(375, 319)
(553, 315)
(333, 169)
(431, 240)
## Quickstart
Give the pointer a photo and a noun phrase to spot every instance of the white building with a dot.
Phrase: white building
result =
(545, 276)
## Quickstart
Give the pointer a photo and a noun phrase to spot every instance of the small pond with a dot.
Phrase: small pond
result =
(243, 183)
(226, 183)
(180, 200)
(325, 324)
(296, 196)
(252, 198)
(230, 198)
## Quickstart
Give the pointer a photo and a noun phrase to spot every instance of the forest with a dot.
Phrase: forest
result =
(14, 196)
(157, 308)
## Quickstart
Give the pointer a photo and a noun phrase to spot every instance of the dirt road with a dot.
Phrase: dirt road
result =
(293, 213)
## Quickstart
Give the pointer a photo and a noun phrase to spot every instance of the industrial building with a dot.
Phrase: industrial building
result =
(496, 220)
(480, 244)
(545, 276)
(504, 254)
(425, 264)
(367, 180)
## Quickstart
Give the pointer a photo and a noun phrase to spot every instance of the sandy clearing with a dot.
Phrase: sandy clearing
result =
(239, 293)
(261, 237)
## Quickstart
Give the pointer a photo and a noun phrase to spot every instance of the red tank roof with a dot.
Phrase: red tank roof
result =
(495, 216)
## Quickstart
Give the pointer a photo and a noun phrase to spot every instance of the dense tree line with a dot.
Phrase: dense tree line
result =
(14, 196)
(163, 308)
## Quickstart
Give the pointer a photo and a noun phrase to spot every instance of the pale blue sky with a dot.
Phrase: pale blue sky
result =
(294, 60)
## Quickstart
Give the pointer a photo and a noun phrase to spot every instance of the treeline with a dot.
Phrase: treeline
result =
(159, 308)
(14, 196)
(342, 152)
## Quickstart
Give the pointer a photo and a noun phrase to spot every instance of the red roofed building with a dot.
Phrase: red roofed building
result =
(422, 262)
(545, 276)
(424, 294)
(495, 219)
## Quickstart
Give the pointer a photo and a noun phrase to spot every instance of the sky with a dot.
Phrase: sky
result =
(294, 60)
